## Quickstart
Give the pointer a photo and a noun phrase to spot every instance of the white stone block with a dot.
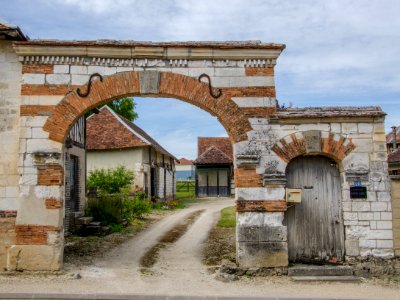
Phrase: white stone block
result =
(79, 79)
(346, 206)
(229, 72)
(384, 224)
(9, 203)
(182, 71)
(37, 121)
(260, 193)
(356, 160)
(364, 252)
(255, 101)
(79, 70)
(196, 72)
(25, 132)
(386, 216)
(360, 206)
(39, 133)
(372, 224)
(365, 128)
(260, 219)
(43, 145)
(130, 69)
(377, 216)
(102, 70)
(384, 196)
(367, 243)
(350, 216)
(33, 78)
(64, 69)
(349, 128)
(365, 216)
(383, 253)
(379, 206)
(356, 232)
(336, 127)
(379, 234)
(363, 145)
(58, 78)
(384, 244)
(12, 191)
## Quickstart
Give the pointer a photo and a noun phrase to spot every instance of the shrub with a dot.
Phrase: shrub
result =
(135, 207)
(110, 181)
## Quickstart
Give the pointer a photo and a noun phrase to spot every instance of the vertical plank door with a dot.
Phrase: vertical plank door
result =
(315, 226)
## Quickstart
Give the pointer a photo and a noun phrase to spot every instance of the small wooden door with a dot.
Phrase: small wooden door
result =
(315, 226)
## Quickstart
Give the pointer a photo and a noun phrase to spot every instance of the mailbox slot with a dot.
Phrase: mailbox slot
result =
(293, 195)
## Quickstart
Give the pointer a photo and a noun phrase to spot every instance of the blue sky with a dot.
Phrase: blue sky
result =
(338, 52)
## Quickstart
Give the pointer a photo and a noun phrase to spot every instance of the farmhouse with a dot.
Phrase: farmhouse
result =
(185, 169)
(311, 184)
(114, 141)
(214, 167)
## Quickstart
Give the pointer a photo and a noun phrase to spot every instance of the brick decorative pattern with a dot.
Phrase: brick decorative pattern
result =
(261, 205)
(53, 203)
(127, 84)
(332, 146)
(41, 69)
(269, 71)
(8, 214)
(33, 234)
(247, 178)
(51, 175)
(36, 110)
(46, 90)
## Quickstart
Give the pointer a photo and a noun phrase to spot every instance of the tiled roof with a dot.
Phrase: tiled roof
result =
(213, 156)
(109, 130)
(394, 157)
(185, 161)
(389, 136)
(11, 32)
(213, 150)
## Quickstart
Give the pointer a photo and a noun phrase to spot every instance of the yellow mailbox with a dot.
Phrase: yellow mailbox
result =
(293, 195)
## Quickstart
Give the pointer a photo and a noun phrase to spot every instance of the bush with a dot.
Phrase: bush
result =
(110, 181)
(136, 207)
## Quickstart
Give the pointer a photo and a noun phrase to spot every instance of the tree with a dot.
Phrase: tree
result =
(125, 107)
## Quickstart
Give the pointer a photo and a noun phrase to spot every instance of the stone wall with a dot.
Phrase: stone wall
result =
(396, 213)
(10, 100)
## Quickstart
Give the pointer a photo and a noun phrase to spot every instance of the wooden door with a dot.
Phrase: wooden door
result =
(315, 226)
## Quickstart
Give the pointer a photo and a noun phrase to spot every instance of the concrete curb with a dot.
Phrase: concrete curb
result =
(43, 296)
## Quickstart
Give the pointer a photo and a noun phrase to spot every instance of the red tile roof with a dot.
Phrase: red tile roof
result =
(389, 136)
(394, 157)
(109, 130)
(213, 150)
(185, 161)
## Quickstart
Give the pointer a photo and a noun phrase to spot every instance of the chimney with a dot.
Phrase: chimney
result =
(394, 129)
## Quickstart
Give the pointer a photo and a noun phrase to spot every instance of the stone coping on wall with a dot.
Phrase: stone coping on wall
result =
(164, 50)
(330, 112)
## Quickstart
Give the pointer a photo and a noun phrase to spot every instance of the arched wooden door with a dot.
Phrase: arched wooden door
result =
(315, 226)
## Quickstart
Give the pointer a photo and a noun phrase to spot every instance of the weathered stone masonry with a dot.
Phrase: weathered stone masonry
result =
(265, 140)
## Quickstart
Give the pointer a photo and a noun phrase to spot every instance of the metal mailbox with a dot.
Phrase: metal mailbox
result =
(293, 195)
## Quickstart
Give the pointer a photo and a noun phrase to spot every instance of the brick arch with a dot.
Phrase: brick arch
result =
(120, 85)
(313, 142)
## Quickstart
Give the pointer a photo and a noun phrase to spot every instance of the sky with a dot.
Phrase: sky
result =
(340, 52)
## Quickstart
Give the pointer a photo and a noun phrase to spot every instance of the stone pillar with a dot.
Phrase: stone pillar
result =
(261, 235)
(39, 224)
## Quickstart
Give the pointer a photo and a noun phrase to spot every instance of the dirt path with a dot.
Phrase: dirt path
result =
(178, 269)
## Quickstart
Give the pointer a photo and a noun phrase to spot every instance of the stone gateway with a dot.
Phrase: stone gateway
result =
(39, 103)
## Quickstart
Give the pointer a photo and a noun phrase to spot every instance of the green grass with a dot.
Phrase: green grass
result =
(185, 189)
(228, 218)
